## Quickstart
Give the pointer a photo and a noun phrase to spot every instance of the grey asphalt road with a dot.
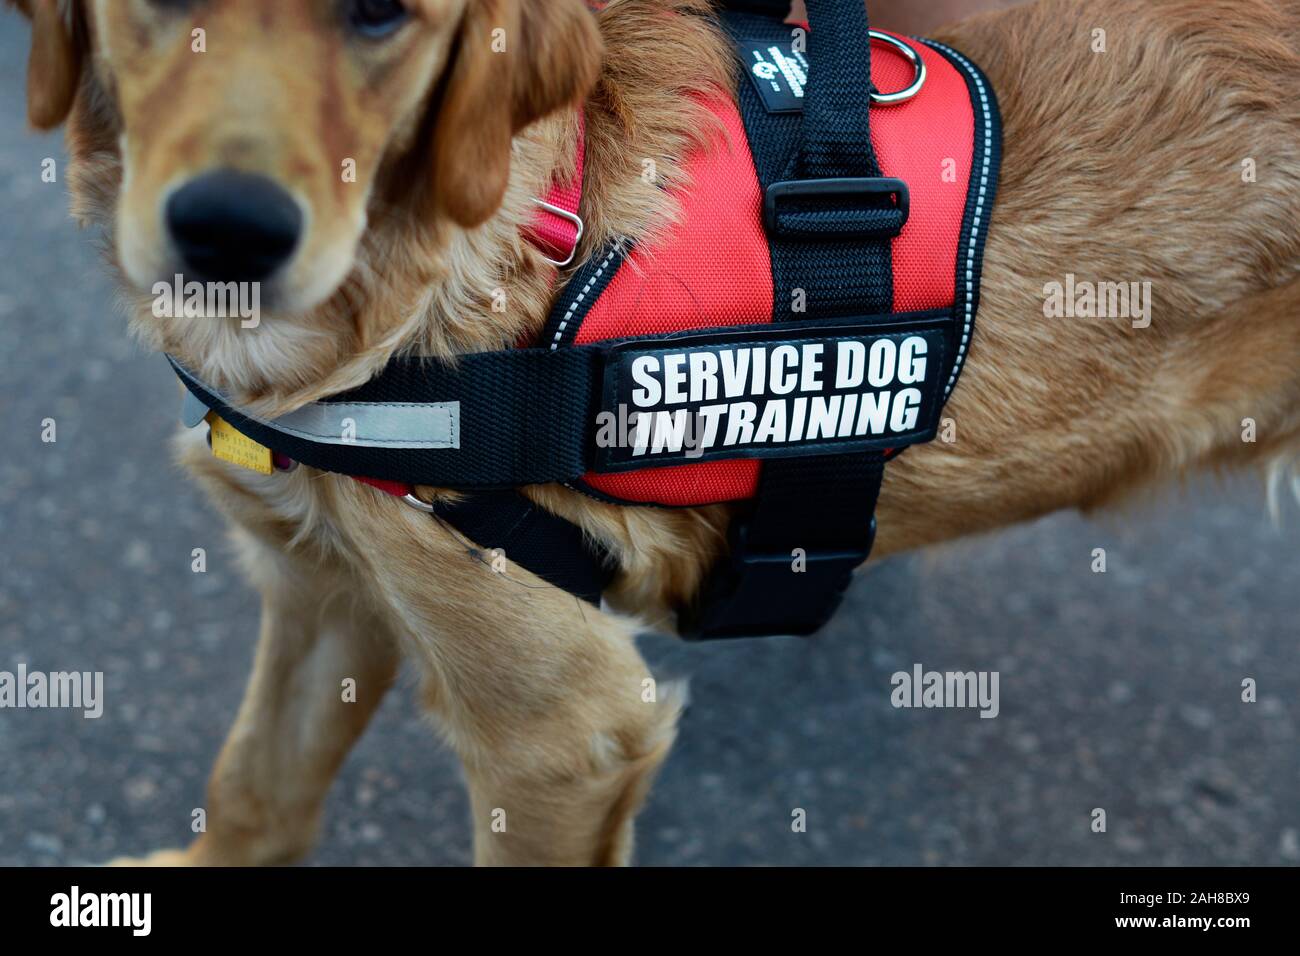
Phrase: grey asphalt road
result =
(1119, 691)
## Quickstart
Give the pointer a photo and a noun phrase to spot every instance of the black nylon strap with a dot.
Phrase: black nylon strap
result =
(555, 550)
(836, 275)
(498, 420)
(812, 522)
(529, 412)
(836, 138)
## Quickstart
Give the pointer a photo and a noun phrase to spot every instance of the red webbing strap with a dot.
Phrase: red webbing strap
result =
(555, 236)
(397, 489)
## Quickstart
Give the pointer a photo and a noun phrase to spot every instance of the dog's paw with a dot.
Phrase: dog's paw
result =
(157, 858)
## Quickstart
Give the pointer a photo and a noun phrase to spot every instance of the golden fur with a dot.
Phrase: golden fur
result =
(1122, 164)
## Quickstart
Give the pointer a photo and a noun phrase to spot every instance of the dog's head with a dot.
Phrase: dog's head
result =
(254, 136)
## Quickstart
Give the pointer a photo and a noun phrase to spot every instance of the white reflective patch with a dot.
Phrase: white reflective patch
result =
(375, 424)
(364, 424)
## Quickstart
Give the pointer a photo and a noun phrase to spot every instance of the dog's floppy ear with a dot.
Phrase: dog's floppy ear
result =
(54, 67)
(515, 61)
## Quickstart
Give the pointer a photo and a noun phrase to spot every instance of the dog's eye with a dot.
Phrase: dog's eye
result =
(377, 18)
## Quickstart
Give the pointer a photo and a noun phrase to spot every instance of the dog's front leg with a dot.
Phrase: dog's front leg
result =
(558, 774)
(321, 668)
(560, 741)
(546, 700)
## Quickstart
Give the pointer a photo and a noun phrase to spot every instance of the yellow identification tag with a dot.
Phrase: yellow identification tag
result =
(229, 445)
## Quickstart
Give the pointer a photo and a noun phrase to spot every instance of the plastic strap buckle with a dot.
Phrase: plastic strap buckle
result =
(755, 593)
(834, 208)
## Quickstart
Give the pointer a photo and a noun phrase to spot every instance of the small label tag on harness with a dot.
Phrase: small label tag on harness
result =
(778, 72)
(236, 448)
(756, 394)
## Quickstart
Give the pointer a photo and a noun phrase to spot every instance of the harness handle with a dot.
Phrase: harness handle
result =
(836, 137)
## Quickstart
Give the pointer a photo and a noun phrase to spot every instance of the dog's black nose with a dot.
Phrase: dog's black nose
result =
(233, 227)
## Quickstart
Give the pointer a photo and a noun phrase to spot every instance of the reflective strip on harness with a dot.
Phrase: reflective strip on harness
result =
(395, 425)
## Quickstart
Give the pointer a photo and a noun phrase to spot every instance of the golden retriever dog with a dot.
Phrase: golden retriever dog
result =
(1127, 163)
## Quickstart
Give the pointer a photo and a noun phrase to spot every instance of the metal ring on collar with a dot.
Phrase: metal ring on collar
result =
(571, 217)
(918, 65)
(414, 502)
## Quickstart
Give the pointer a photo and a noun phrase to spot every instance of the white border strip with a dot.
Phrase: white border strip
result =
(978, 219)
(573, 306)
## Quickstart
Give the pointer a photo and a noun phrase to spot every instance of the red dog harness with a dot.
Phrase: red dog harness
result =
(802, 321)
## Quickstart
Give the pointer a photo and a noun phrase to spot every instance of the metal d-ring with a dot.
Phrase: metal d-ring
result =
(571, 217)
(414, 502)
(918, 65)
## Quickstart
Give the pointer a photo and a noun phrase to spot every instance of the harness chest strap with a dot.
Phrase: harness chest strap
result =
(557, 228)
(830, 217)
(780, 391)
